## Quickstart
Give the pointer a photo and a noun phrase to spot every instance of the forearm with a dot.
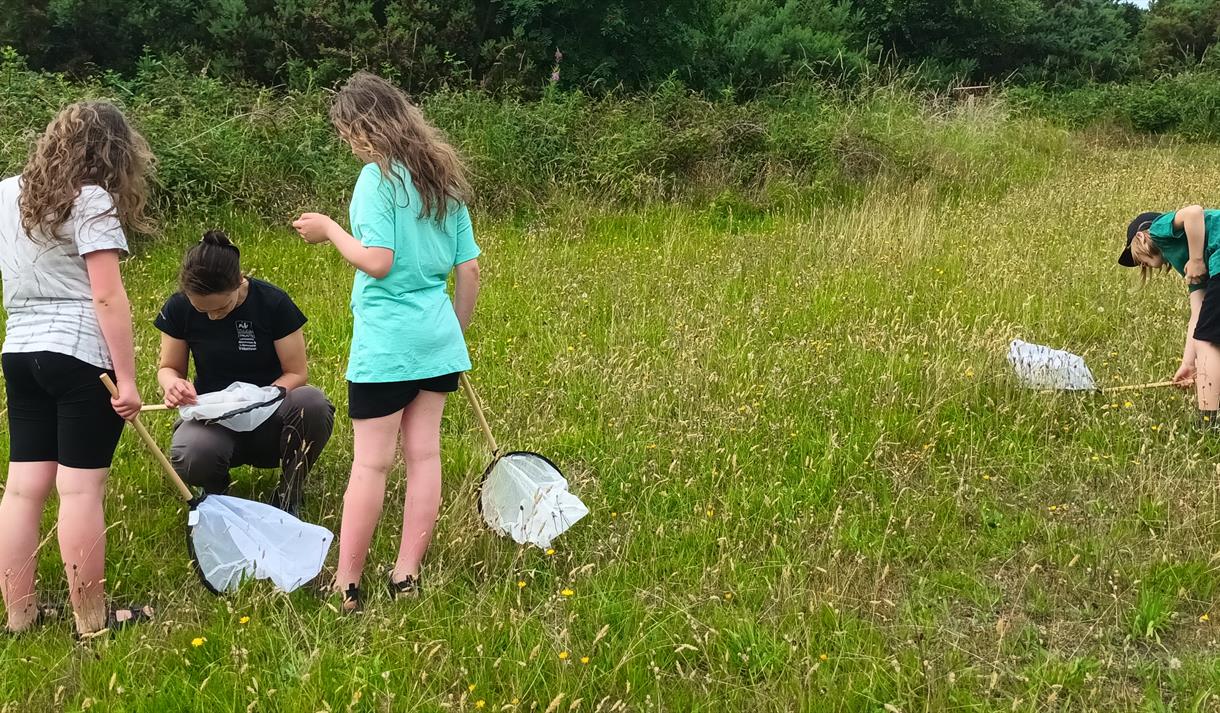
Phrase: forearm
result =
(291, 380)
(465, 294)
(114, 318)
(367, 260)
(1196, 304)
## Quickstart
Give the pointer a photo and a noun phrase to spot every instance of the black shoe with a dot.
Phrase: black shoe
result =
(353, 600)
(408, 587)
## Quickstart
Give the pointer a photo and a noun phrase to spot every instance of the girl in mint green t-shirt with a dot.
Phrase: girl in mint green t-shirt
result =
(410, 230)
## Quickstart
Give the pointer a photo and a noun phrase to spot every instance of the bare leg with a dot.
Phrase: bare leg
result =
(421, 449)
(374, 454)
(25, 495)
(1207, 375)
(82, 543)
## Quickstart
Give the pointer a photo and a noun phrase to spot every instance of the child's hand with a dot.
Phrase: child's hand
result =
(1196, 270)
(315, 228)
(1185, 376)
(127, 403)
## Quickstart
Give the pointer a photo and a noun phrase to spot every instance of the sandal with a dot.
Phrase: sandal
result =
(353, 597)
(46, 613)
(137, 615)
(408, 587)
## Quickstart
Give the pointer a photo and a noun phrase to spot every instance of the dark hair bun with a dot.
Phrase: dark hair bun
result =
(218, 238)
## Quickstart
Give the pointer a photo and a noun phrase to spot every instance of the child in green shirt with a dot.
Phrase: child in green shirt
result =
(1188, 241)
(410, 231)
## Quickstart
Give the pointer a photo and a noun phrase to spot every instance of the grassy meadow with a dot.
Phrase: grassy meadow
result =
(813, 483)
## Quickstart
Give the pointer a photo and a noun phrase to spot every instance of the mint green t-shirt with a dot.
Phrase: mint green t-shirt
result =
(1173, 245)
(404, 326)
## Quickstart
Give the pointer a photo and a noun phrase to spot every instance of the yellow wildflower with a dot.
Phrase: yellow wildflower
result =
(563, 655)
(198, 641)
(567, 592)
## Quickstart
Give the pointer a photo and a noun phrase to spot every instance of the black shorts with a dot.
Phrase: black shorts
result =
(59, 410)
(1207, 329)
(374, 400)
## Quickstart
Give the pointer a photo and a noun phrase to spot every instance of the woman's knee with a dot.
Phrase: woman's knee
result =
(372, 464)
(201, 464)
(310, 402)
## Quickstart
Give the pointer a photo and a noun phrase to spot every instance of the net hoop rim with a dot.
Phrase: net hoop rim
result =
(190, 547)
(487, 471)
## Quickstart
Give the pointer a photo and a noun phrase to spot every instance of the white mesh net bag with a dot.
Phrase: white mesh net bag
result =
(526, 497)
(232, 540)
(1040, 367)
(239, 407)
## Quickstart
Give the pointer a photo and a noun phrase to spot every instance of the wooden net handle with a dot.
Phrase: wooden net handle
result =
(1137, 387)
(475, 404)
(170, 473)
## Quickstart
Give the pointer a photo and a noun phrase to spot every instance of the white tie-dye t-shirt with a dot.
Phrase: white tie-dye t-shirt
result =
(47, 298)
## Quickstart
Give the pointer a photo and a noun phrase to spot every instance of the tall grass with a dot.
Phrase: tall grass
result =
(272, 152)
(812, 484)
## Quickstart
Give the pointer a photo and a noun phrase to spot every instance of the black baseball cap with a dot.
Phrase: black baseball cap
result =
(1141, 222)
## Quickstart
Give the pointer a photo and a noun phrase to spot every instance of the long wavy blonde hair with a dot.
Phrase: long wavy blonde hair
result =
(377, 120)
(87, 143)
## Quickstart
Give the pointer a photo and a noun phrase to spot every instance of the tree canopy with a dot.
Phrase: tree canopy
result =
(510, 45)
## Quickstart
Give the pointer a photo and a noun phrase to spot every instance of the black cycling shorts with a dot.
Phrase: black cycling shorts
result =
(59, 410)
(374, 400)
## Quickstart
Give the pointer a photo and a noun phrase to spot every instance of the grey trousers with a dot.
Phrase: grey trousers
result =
(292, 439)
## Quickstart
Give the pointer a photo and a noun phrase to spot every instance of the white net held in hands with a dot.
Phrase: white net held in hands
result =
(239, 407)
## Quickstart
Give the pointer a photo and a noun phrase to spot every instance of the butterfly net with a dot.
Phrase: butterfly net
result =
(1040, 367)
(232, 540)
(525, 497)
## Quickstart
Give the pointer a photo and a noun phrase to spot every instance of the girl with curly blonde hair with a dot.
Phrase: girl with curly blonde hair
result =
(410, 230)
(63, 225)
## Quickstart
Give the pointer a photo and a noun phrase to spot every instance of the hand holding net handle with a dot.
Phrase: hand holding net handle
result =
(475, 404)
(170, 473)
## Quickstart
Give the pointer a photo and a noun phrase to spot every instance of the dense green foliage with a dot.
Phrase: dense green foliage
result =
(1186, 105)
(221, 144)
(743, 45)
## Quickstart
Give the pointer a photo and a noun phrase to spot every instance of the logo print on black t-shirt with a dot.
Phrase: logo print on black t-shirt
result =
(245, 336)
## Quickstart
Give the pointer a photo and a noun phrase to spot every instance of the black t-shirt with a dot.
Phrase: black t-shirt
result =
(240, 347)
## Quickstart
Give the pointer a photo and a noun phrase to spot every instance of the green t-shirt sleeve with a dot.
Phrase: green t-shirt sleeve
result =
(467, 248)
(372, 211)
